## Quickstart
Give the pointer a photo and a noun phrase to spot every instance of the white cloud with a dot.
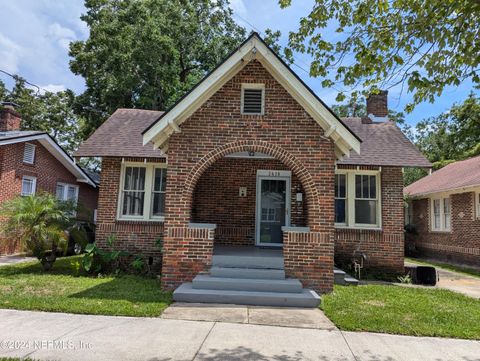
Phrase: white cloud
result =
(62, 35)
(238, 6)
(10, 54)
(53, 88)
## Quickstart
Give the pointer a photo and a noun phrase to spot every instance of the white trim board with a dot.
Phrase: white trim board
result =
(253, 48)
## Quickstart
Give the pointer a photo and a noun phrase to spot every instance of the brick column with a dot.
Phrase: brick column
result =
(308, 256)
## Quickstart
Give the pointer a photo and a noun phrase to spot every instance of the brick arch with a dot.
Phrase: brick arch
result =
(296, 166)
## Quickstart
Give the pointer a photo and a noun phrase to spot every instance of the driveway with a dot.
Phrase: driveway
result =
(454, 281)
(56, 336)
(14, 259)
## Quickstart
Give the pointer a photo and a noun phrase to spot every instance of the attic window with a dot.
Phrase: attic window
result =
(253, 99)
(29, 153)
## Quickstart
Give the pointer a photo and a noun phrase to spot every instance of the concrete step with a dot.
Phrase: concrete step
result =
(186, 293)
(350, 281)
(257, 262)
(339, 276)
(255, 273)
(207, 282)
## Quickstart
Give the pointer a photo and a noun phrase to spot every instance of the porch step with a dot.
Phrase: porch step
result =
(343, 278)
(206, 282)
(305, 298)
(254, 273)
(255, 262)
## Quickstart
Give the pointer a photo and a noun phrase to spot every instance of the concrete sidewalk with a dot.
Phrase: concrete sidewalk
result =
(7, 260)
(55, 336)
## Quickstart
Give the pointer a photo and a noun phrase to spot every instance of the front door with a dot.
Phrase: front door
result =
(273, 206)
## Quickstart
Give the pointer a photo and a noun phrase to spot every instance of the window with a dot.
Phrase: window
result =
(366, 199)
(477, 204)
(67, 192)
(253, 99)
(29, 153)
(158, 193)
(340, 198)
(441, 214)
(357, 199)
(142, 192)
(29, 185)
(409, 213)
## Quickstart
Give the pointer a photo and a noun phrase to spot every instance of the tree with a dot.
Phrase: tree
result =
(423, 45)
(451, 136)
(49, 112)
(38, 223)
(148, 53)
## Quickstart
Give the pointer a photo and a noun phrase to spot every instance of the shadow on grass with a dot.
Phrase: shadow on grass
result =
(128, 288)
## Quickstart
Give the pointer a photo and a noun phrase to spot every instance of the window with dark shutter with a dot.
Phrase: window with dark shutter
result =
(253, 99)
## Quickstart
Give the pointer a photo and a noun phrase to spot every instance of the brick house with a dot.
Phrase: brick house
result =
(31, 161)
(248, 174)
(444, 207)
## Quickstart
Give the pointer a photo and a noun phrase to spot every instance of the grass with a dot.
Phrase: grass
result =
(403, 310)
(455, 268)
(26, 287)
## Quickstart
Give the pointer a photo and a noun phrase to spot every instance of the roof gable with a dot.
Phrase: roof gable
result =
(52, 146)
(254, 47)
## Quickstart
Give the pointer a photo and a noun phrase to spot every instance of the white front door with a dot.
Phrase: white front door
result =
(273, 206)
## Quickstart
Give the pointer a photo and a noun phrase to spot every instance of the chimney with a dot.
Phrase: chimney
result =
(9, 118)
(377, 105)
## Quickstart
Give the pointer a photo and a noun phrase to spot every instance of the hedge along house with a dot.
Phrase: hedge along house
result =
(251, 170)
(444, 208)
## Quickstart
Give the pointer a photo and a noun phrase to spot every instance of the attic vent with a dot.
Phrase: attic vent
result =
(253, 98)
(29, 153)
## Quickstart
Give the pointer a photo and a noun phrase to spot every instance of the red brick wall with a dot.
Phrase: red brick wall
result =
(462, 244)
(216, 199)
(132, 236)
(46, 168)
(384, 248)
(285, 132)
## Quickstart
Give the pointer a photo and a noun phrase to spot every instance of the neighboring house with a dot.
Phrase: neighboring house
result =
(31, 161)
(444, 208)
(252, 157)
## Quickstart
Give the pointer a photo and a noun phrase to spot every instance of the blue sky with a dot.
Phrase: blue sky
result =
(34, 37)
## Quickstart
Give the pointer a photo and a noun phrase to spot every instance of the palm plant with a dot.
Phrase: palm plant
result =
(38, 222)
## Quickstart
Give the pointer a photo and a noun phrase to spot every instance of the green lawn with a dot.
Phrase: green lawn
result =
(460, 269)
(26, 287)
(403, 310)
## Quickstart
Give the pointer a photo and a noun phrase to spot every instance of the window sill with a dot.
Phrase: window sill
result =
(441, 231)
(358, 228)
(142, 220)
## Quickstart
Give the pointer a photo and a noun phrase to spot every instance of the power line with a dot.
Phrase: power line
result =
(16, 77)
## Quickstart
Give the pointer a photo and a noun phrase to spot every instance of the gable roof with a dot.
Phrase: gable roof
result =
(12, 137)
(456, 176)
(383, 144)
(252, 48)
(121, 136)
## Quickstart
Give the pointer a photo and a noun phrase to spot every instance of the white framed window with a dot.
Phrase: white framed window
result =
(441, 214)
(357, 199)
(29, 153)
(253, 99)
(142, 192)
(477, 204)
(409, 213)
(341, 199)
(29, 185)
(67, 192)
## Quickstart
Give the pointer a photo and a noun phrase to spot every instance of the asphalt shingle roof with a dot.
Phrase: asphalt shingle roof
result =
(383, 144)
(458, 175)
(121, 136)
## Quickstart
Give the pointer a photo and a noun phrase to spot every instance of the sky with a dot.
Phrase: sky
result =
(34, 38)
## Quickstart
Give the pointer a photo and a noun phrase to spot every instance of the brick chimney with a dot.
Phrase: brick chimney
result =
(377, 105)
(10, 119)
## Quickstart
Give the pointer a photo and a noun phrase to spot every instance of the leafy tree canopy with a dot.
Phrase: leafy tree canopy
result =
(49, 112)
(147, 53)
(421, 45)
